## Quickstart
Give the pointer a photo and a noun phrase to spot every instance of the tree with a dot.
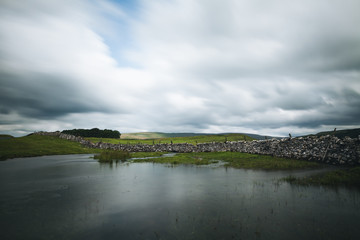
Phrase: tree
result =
(94, 132)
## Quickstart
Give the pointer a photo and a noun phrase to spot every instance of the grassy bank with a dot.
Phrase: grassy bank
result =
(192, 140)
(343, 177)
(34, 145)
(234, 159)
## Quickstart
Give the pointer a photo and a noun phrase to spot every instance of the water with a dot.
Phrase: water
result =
(75, 197)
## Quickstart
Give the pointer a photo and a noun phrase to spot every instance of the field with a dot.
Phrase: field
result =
(191, 139)
(34, 145)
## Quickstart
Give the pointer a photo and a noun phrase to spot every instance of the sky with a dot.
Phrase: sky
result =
(207, 66)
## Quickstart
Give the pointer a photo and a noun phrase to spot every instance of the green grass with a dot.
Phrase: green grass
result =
(343, 177)
(234, 159)
(35, 145)
(255, 161)
(192, 140)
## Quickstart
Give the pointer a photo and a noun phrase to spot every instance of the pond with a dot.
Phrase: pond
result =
(75, 197)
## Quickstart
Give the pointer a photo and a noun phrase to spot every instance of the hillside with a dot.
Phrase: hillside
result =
(35, 145)
(158, 135)
(153, 138)
(353, 133)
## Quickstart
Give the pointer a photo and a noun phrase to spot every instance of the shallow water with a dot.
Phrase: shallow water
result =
(75, 197)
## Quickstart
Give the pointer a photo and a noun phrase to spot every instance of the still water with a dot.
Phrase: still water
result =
(75, 197)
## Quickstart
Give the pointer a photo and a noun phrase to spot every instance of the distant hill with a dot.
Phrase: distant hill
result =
(261, 137)
(157, 135)
(353, 133)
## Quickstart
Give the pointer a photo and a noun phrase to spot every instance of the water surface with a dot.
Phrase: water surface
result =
(75, 197)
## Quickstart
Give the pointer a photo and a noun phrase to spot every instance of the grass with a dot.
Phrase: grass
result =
(34, 145)
(192, 140)
(234, 159)
(343, 177)
(255, 161)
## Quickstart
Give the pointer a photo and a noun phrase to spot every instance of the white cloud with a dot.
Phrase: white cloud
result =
(178, 65)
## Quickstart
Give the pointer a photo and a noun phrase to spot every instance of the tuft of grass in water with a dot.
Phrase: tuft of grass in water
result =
(343, 177)
(179, 158)
(35, 145)
(289, 179)
(146, 154)
(109, 156)
(234, 159)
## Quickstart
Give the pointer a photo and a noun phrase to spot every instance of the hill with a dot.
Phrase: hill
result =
(36, 145)
(194, 139)
(158, 135)
(353, 133)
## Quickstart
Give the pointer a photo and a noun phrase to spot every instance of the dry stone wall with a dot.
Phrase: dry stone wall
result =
(326, 149)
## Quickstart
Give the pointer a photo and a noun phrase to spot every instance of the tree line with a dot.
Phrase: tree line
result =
(95, 132)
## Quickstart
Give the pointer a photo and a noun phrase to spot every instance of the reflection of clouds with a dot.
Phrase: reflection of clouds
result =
(142, 200)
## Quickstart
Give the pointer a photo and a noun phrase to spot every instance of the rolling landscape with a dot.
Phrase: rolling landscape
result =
(39, 145)
(80, 157)
(179, 120)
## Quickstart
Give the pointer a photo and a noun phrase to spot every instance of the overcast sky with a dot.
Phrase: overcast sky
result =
(268, 67)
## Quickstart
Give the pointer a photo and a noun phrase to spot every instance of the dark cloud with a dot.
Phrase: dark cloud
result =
(44, 96)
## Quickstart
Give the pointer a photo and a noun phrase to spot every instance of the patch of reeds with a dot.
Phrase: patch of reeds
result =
(109, 156)
(234, 159)
(342, 177)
